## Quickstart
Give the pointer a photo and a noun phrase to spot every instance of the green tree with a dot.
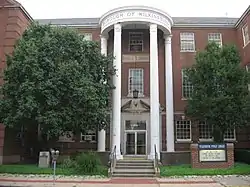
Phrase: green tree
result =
(57, 81)
(220, 90)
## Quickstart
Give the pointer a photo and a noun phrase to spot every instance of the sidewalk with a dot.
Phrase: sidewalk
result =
(213, 181)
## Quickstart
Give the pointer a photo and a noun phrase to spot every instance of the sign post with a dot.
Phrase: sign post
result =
(55, 155)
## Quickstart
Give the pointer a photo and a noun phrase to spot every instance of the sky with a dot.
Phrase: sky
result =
(45, 9)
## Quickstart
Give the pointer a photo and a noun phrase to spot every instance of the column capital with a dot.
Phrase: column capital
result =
(153, 28)
(118, 27)
(168, 38)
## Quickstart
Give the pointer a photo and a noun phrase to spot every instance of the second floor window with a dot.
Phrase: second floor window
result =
(136, 42)
(245, 34)
(187, 42)
(187, 87)
(135, 80)
(87, 36)
(215, 37)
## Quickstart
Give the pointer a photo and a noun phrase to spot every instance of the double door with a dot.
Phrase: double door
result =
(136, 143)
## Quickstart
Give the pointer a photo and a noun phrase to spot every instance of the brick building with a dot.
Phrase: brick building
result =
(152, 49)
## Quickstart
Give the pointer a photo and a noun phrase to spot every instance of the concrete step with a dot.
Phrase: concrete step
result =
(134, 164)
(135, 161)
(133, 175)
(134, 167)
(131, 171)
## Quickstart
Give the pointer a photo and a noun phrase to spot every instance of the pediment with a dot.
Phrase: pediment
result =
(135, 106)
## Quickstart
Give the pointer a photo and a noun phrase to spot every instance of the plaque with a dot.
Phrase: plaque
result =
(212, 153)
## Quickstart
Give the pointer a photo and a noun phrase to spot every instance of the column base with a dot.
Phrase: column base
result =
(119, 156)
(151, 156)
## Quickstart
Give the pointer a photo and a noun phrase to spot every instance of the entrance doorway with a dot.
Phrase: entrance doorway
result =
(135, 138)
(135, 143)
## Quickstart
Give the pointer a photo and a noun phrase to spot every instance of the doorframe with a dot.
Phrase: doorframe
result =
(135, 132)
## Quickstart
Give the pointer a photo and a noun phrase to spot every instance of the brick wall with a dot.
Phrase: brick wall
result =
(195, 158)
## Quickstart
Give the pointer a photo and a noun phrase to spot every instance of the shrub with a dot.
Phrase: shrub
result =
(69, 163)
(88, 163)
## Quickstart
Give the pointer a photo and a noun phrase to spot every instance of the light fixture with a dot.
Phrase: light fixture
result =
(135, 93)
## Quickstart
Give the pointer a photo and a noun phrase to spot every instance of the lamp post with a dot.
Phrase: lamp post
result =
(55, 155)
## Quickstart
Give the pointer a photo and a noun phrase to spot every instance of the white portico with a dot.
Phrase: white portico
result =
(153, 19)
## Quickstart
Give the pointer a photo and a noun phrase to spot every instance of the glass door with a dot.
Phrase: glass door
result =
(130, 143)
(141, 143)
(136, 143)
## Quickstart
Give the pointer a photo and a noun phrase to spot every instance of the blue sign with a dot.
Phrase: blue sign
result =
(211, 146)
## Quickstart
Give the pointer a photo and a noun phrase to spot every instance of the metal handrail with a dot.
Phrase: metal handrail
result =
(156, 161)
(112, 160)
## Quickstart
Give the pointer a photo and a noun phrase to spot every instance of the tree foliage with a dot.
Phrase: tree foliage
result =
(220, 89)
(56, 80)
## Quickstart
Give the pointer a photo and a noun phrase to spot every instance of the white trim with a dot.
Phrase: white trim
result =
(201, 25)
(214, 40)
(135, 132)
(190, 128)
(245, 43)
(133, 14)
(242, 17)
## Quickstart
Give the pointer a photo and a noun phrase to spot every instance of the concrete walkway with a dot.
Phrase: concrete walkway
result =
(243, 181)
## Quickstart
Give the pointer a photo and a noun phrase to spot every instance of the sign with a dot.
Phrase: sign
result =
(135, 15)
(212, 152)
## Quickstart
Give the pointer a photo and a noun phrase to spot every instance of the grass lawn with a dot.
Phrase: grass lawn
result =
(34, 169)
(182, 170)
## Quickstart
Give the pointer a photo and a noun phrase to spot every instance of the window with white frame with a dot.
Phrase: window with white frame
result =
(135, 41)
(183, 130)
(245, 35)
(205, 131)
(87, 36)
(248, 70)
(66, 137)
(230, 135)
(215, 37)
(187, 42)
(136, 80)
(90, 136)
(187, 87)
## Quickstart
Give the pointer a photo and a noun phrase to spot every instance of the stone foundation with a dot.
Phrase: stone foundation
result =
(174, 158)
(195, 162)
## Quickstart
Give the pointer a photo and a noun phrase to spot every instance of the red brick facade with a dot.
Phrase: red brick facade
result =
(14, 20)
(197, 164)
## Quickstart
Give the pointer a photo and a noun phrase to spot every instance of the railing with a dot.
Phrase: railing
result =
(156, 163)
(112, 161)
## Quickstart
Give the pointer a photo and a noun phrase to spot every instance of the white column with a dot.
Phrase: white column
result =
(154, 93)
(101, 144)
(116, 99)
(169, 95)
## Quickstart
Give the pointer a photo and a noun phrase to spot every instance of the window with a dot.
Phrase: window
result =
(66, 137)
(187, 87)
(230, 135)
(187, 42)
(248, 70)
(136, 80)
(89, 136)
(205, 131)
(87, 36)
(135, 41)
(245, 34)
(215, 37)
(183, 130)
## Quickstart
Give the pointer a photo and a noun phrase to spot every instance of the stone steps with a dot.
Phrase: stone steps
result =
(134, 168)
